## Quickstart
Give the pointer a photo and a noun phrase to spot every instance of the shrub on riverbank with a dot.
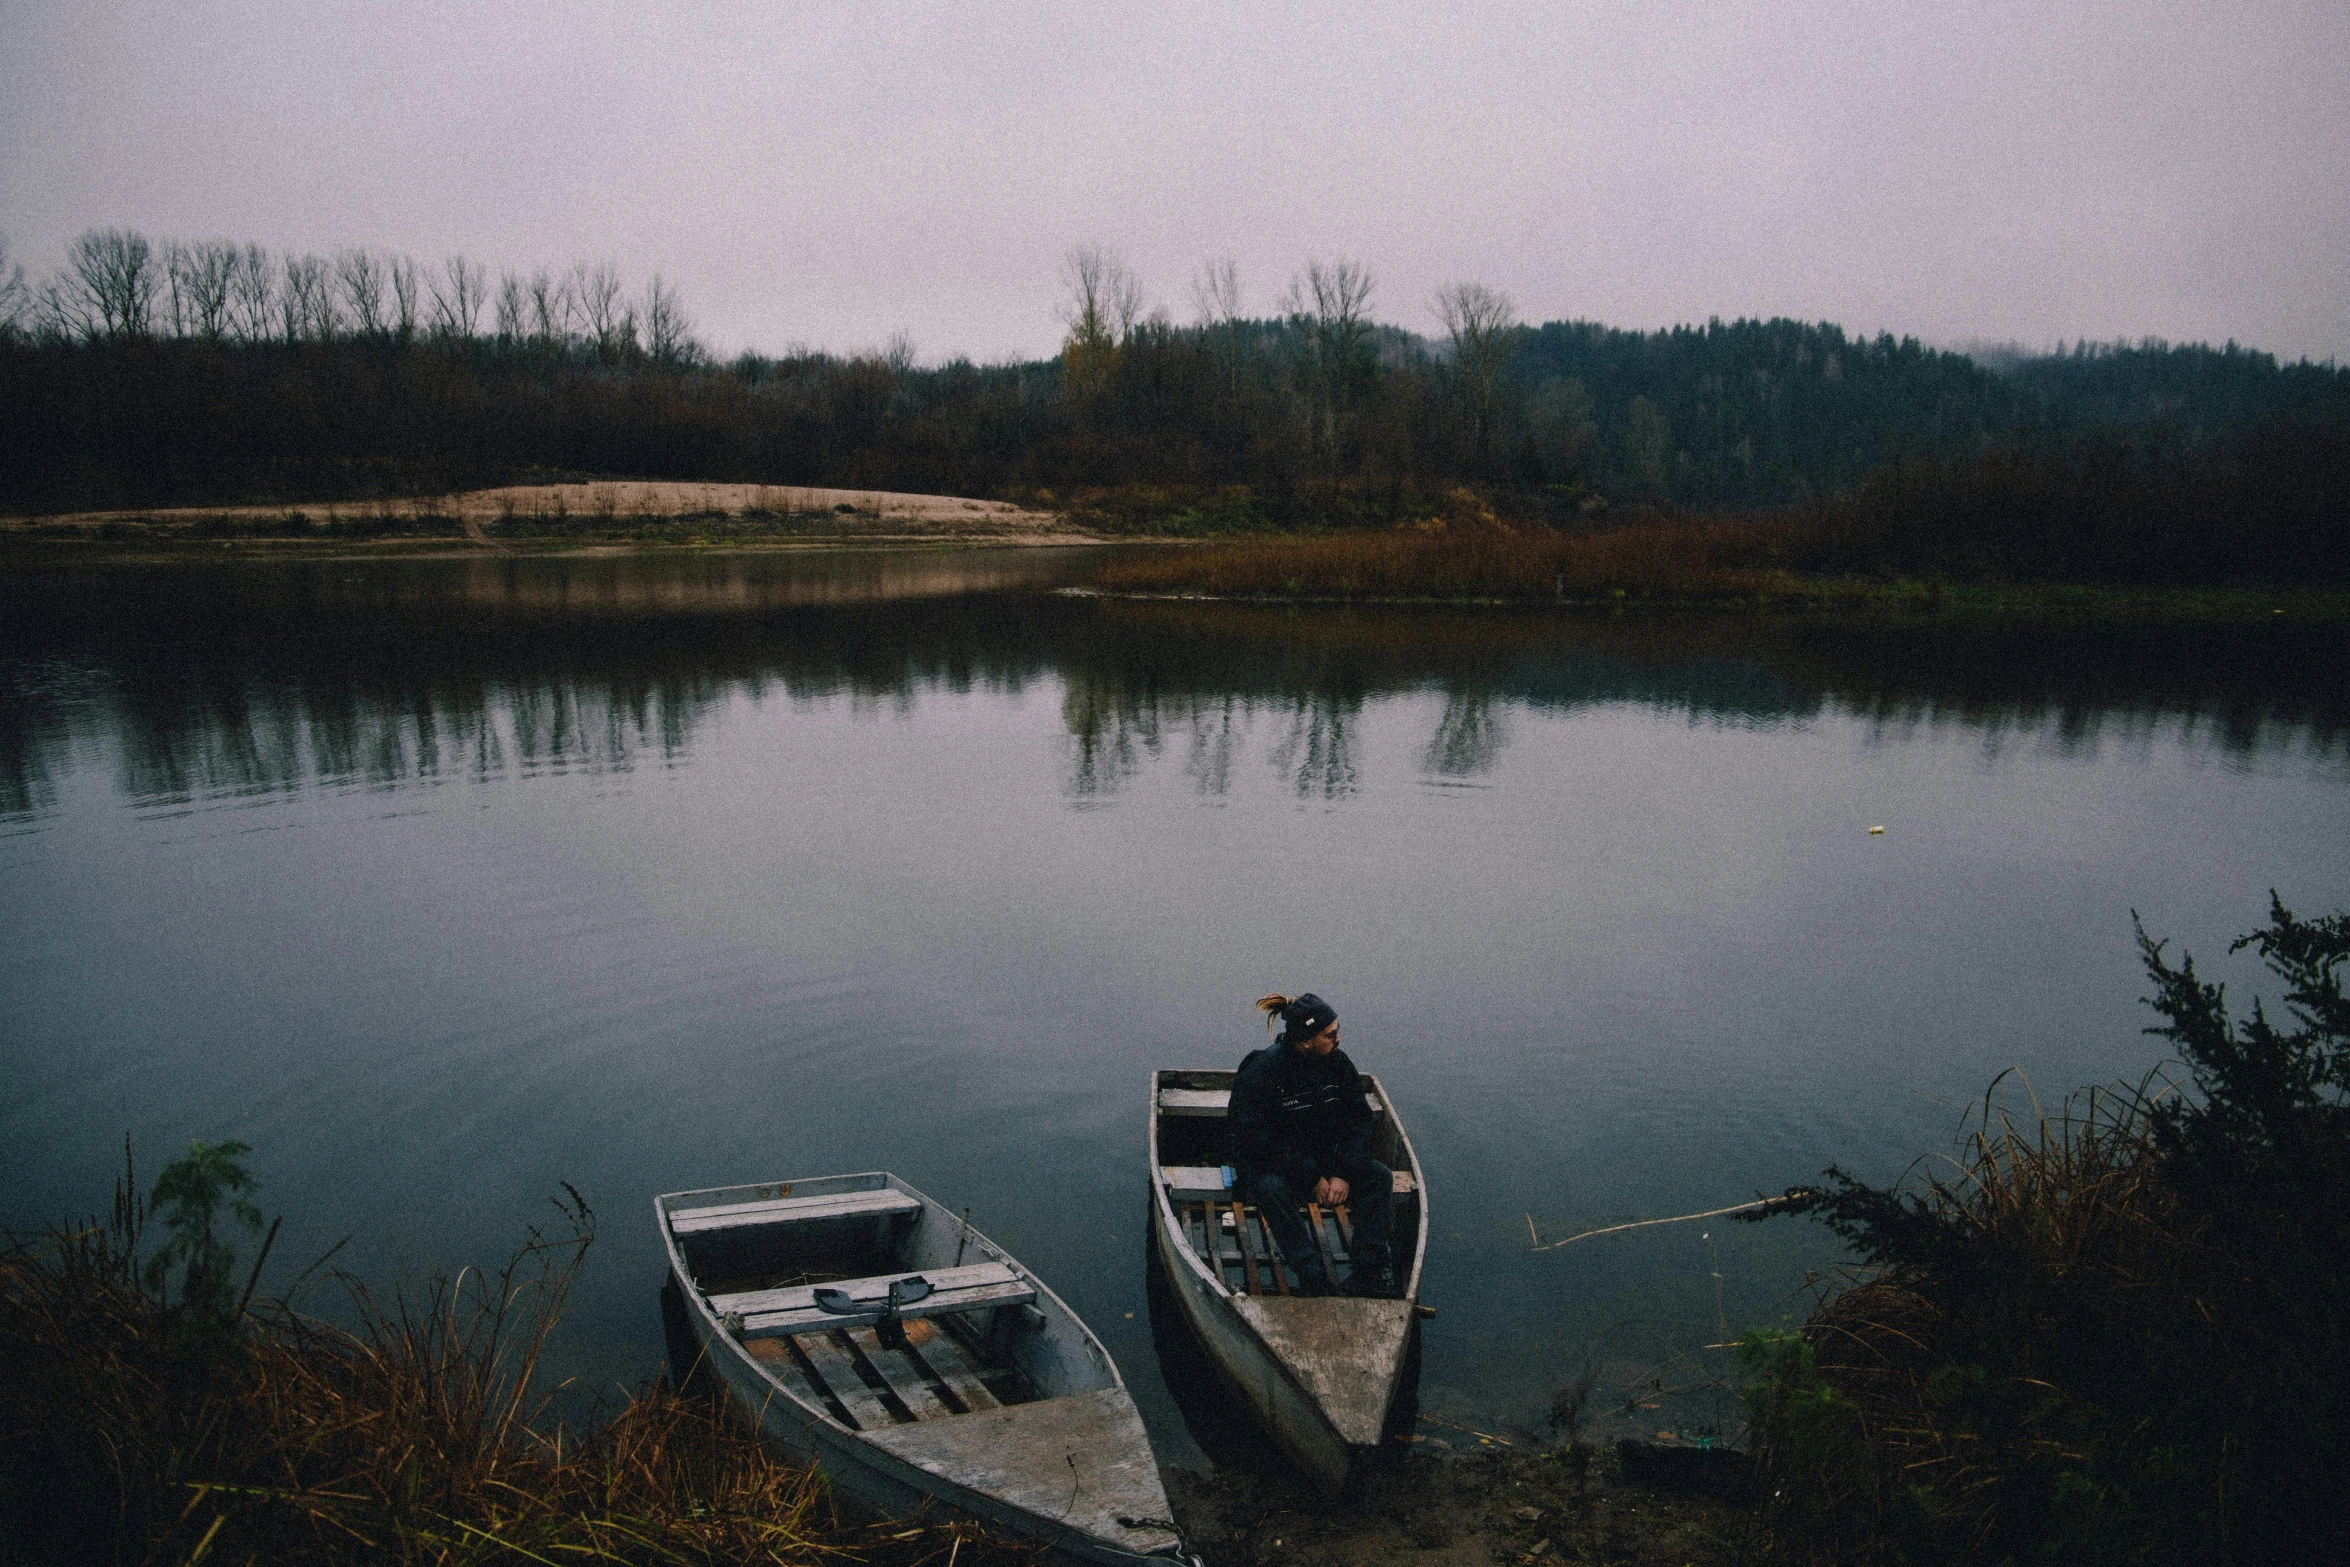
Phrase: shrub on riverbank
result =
(144, 1423)
(2113, 1334)
(2268, 508)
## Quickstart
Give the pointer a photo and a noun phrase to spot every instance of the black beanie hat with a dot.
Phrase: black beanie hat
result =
(1305, 1017)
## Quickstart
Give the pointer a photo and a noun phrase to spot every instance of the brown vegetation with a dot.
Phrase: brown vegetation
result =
(2111, 1334)
(1481, 558)
(129, 1432)
(2264, 509)
(2076, 1201)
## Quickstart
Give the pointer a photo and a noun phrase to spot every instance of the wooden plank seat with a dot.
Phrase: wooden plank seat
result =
(791, 1210)
(1206, 1182)
(1218, 1101)
(1196, 1182)
(793, 1309)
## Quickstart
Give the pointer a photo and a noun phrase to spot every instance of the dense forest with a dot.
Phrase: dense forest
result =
(148, 375)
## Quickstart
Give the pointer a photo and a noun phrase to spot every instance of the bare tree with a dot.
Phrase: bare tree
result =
(179, 309)
(1483, 326)
(1329, 306)
(306, 300)
(610, 323)
(668, 335)
(201, 277)
(16, 300)
(458, 294)
(362, 277)
(111, 275)
(1334, 299)
(551, 307)
(1215, 293)
(513, 315)
(252, 294)
(407, 297)
(1104, 296)
(60, 311)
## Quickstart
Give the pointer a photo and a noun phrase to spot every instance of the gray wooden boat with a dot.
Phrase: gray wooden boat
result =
(981, 1390)
(1321, 1373)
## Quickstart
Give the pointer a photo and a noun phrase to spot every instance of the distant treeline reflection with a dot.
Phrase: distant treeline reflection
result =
(282, 679)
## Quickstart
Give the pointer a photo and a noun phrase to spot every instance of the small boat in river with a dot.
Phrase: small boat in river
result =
(867, 1328)
(1321, 1373)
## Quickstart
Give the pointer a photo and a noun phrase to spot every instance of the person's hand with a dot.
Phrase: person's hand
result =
(1330, 1191)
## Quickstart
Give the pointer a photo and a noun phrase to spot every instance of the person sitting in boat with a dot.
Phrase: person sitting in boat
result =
(1302, 1132)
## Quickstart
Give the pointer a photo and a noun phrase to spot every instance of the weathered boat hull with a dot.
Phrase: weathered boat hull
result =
(1063, 1469)
(1321, 1375)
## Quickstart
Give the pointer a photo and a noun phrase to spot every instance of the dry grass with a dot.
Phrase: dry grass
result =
(1654, 557)
(414, 1435)
(2050, 1366)
(2109, 1334)
(2073, 1206)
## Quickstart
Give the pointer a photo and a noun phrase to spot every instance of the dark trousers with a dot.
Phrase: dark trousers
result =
(1371, 1191)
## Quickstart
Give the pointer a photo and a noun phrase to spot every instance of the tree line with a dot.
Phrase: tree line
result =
(116, 284)
(155, 373)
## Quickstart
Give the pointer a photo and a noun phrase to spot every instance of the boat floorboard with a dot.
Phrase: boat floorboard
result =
(945, 1358)
(776, 1356)
(907, 1376)
(836, 1363)
(836, 1370)
(1234, 1240)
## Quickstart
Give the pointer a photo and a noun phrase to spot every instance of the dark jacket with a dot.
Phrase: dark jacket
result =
(1291, 1113)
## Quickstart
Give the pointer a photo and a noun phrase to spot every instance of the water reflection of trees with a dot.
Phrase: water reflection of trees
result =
(212, 690)
(267, 735)
(1318, 752)
(1203, 672)
(207, 686)
(1469, 736)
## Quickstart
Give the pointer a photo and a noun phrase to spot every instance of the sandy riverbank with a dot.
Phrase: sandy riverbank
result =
(538, 516)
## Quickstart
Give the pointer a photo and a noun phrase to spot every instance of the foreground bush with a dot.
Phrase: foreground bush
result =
(2114, 1334)
(143, 1422)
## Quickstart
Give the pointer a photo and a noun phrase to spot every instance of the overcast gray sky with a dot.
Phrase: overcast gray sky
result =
(829, 174)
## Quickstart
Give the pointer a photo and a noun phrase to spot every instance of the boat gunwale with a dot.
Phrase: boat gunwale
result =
(892, 1466)
(1102, 1357)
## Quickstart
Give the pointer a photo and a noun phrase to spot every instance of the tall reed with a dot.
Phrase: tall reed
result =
(2036, 1274)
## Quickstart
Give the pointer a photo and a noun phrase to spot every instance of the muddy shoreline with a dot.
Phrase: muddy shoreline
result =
(1630, 1503)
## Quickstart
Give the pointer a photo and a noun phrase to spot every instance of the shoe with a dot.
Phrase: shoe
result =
(1371, 1277)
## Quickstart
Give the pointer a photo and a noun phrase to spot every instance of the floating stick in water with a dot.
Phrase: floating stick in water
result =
(1792, 1195)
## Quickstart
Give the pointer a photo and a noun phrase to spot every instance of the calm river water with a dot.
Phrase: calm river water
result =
(441, 882)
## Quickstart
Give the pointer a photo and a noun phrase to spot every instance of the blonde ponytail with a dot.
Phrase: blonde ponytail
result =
(1271, 1006)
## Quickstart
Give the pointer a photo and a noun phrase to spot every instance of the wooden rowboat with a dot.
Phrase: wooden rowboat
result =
(1321, 1373)
(980, 1390)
